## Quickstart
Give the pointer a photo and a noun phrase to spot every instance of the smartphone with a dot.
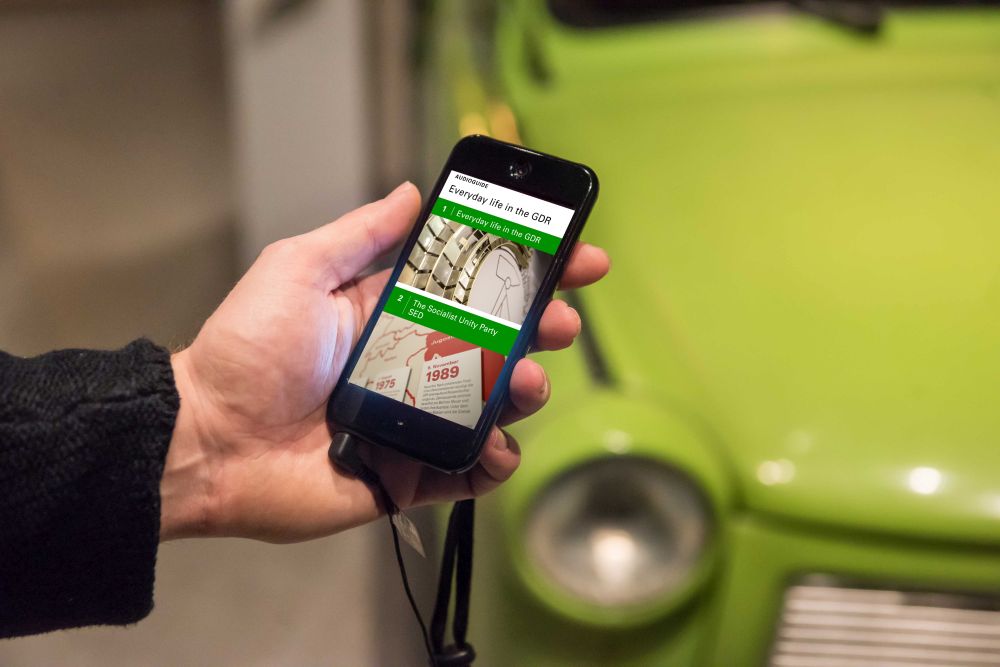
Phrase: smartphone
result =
(429, 375)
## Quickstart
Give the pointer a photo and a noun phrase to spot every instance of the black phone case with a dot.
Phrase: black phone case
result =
(420, 435)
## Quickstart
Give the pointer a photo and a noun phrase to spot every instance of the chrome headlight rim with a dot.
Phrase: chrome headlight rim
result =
(558, 599)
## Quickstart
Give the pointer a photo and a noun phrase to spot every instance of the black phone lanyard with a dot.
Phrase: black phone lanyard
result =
(456, 562)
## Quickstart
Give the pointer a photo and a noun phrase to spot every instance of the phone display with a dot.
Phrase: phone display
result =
(457, 307)
(461, 307)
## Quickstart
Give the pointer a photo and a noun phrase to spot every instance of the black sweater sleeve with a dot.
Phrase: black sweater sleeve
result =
(83, 438)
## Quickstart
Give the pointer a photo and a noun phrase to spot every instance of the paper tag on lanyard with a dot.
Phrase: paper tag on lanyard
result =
(407, 530)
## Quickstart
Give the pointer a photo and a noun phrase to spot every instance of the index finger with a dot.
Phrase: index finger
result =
(587, 264)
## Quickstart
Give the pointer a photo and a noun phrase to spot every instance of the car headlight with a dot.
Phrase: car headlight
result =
(619, 531)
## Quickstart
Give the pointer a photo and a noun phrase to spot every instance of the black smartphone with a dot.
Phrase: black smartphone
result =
(430, 373)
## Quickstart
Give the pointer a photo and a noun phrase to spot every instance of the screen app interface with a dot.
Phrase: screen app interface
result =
(453, 315)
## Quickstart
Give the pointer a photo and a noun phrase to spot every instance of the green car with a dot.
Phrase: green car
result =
(778, 440)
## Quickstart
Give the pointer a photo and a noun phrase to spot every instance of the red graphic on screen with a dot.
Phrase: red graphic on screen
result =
(492, 364)
(443, 345)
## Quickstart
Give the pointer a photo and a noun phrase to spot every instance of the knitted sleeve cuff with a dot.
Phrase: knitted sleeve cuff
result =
(83, 439)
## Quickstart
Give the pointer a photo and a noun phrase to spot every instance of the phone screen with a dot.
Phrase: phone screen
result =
(451, 319)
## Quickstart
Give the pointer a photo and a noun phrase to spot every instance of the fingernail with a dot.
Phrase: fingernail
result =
(405, 185)
(501, 442)
(546, 388)
(579, 320)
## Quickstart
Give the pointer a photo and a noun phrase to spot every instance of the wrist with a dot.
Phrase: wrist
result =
(185, 490)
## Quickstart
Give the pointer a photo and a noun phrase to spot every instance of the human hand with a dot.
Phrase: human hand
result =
(249, 452)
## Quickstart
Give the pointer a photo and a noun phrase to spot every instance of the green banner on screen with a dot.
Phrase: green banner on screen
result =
(451, 320)
(492, 224)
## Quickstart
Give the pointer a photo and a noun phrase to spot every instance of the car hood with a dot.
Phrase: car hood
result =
(804, 231)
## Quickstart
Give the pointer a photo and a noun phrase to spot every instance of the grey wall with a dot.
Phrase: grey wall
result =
(116, 205)
(147, 152)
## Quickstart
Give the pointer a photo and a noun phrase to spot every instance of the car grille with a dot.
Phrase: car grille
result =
(823, 624)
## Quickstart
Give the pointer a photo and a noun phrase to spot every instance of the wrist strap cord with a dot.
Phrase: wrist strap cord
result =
(456, 563)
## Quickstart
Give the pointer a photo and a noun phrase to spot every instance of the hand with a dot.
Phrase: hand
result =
(249, 451)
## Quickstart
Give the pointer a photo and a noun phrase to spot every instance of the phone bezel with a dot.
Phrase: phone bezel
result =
(430, 439)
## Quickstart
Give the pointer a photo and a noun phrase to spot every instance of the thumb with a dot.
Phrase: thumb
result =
(353, 241)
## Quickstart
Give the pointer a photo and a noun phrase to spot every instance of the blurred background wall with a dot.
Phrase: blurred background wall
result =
(148, 151)
(117, 213)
